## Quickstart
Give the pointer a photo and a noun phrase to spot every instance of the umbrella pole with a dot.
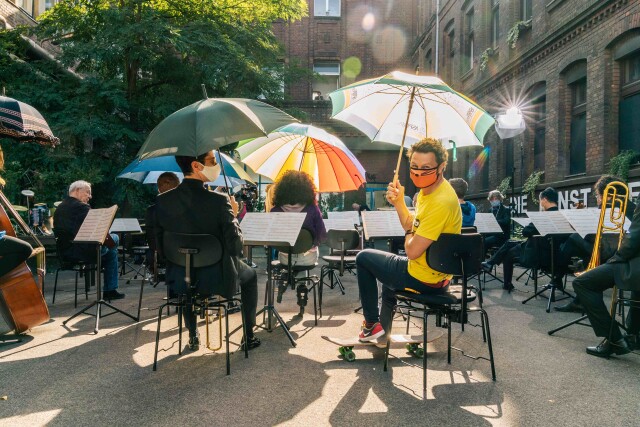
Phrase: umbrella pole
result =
(226, 182)
(404, 135)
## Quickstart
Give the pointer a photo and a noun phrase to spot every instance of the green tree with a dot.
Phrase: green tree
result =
(135, 62)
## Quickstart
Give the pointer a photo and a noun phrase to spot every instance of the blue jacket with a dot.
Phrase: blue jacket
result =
(468, 214)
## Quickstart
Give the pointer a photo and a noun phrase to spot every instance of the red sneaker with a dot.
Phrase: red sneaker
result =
(370, 334)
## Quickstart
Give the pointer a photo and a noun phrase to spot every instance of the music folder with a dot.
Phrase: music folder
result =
(273, 228)
(550, 223)
(486, 223)
(381, 224)
(125, 225)
(96, 225)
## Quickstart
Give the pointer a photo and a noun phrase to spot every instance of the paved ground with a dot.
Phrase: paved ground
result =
(69, 376)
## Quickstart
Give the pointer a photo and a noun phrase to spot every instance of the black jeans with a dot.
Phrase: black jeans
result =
(248, 295)
(13, 251)
(507, 255)
(589, 288)
(391, 270)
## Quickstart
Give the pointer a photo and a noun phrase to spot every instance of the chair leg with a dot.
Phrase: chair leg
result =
(55, 287)
(226, 321)
(449, 337)
(424, 354)
(386, 351)
(155, 355)
(315, 306)
(493, 368)
(75, 297)
(180, 328)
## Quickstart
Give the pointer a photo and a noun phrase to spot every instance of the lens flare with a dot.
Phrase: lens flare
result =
(368, 22)
(352, 67)
(479, 163)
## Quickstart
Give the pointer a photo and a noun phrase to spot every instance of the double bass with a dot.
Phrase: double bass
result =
(22, 304)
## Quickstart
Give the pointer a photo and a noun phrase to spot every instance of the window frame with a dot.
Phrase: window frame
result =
(526, 10)
(577, 111)
(494, 28)
(326, 14)
(469, 38)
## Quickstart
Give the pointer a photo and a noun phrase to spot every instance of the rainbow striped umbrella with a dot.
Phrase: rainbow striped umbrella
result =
(402, 109)
(305, 148)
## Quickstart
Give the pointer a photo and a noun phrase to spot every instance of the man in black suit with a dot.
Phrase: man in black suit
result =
(190, 208)
(513, 249)
(622, 269)
(67, 220)
(503, 216)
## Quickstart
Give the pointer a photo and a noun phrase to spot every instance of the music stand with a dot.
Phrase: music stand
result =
(123, 226)
(487, 225)
(94, 230)
(551, 225)
(272, 229)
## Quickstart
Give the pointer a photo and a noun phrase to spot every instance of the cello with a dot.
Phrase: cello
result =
(21, 299)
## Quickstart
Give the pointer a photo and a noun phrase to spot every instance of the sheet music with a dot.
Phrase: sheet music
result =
(486, 223)
(608, 223)
(346, 215)
(339, 224)
(522, 221)
(96, 225)
(125, 225)
(584, 221)
(550, 223)
(273, 228)
(378, 224)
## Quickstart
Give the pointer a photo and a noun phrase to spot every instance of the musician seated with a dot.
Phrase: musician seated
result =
(512, 250)
(437, 211)
(190, 208)
(460, 186)
(622, 269)
(13, 252)
(166, 181)
(578, 247)
(503, 216)
(67, 220)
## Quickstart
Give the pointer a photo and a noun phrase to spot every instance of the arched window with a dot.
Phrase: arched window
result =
(575, 78)
(628, 56)
(538, 113)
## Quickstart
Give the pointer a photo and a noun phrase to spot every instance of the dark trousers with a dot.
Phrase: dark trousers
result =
(507, 255)
(13, 251)
(391, 270)
(248, 295)
(589, 288)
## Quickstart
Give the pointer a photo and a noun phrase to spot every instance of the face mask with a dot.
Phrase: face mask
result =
(211, 172)
(423, 178)
(495, 203)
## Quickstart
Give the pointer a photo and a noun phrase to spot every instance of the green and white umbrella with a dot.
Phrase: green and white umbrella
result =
(400, 108)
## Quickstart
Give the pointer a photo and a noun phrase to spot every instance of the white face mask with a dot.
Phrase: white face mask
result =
(211, 172)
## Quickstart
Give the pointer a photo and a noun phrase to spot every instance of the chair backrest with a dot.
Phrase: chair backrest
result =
(445, 254)
(304, 242)
(336, 239)
(207, 249)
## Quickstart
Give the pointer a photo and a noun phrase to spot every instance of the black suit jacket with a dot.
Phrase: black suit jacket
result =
(190, 208)
(67, 219)
(503, 216)
(627, 257)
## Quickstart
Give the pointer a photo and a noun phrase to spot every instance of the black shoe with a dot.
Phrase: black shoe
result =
(194, 343)
(233, 308)
(487, 266)
(508, 287)
(253, 342)
(606, 348)
(112, 295)
(571, 307)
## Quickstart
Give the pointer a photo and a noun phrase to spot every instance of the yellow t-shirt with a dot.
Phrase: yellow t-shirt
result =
(436, 213)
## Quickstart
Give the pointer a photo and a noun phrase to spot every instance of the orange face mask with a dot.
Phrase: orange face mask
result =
(423, 178)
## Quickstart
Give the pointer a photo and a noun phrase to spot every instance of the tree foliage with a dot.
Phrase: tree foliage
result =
(136, 61)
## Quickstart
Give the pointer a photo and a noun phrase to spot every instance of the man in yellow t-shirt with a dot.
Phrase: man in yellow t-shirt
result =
(437, 212)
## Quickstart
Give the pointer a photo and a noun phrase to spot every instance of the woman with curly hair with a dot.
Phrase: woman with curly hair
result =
(296, 192)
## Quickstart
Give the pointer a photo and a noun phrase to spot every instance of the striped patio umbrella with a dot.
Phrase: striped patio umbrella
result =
(400, 108)
(305, 148)
(23, 123)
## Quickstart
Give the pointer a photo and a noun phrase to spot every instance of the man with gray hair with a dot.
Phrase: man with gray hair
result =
(67, 220)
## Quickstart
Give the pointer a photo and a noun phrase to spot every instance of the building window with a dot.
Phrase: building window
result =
(525, 10)
(326, 8)
(485, 168)
(578, 133)
(538, 97)
(468, 47)
(508, 156)
(494, 37)
(448, 50)
(326, 79)
(629, 133)
(428, 62)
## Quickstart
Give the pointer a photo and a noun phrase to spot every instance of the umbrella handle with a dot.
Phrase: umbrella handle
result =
(404, 134)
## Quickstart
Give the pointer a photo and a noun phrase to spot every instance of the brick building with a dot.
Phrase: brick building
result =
(571, 66)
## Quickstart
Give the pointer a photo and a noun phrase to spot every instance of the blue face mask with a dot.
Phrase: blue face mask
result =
(495, 203)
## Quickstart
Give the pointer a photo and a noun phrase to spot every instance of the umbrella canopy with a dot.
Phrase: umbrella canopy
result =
(305, 148)
(209, 124)
(400, 108)
(147, 171)
(24, 123)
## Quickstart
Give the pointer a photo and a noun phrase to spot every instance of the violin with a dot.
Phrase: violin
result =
(22, 302)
